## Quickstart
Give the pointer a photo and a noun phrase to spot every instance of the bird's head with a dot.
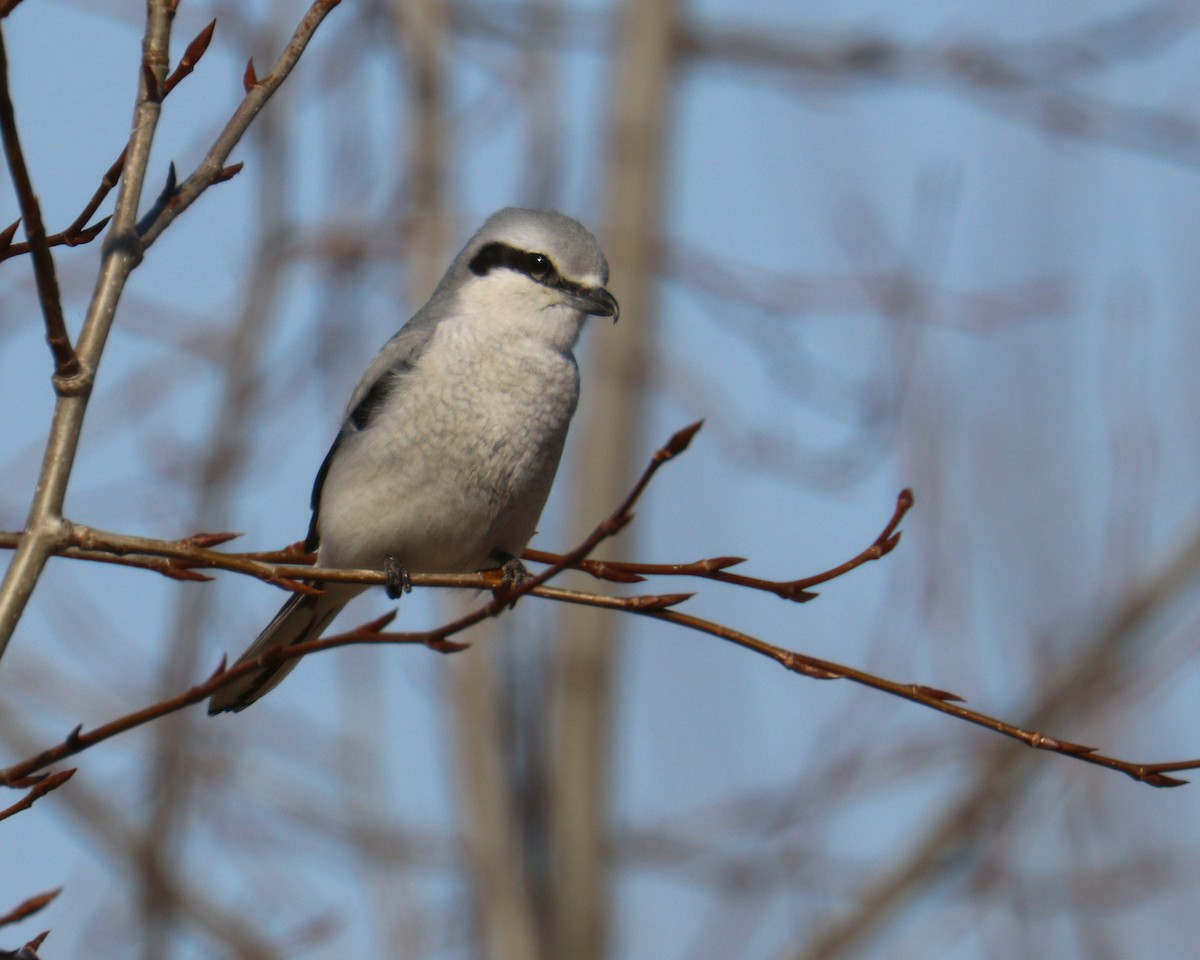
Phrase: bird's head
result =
(539, 272)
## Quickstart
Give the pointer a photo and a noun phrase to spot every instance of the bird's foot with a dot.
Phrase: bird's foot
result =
(398, 580)
(513, 574)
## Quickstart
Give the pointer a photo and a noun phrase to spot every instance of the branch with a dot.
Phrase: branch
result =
(42, 787)
(66, 364)
(290, 567)
(714, 568)
(30, 906)
(259, 90)
(179, 559)
(943, 701)
(72, 236)
(78, 233)
(45, 530)
(437, 638)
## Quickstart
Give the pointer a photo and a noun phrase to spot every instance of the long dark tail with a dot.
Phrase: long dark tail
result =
(304, 617)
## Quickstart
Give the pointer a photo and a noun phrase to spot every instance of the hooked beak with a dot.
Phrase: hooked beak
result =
(596, 301)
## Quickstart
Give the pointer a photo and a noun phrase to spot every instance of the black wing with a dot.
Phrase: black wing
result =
(313, 540)
(360, 418)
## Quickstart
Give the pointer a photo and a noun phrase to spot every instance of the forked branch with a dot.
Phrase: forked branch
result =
(438, 638)
(66, 363)
(125, 244)
(287, 569)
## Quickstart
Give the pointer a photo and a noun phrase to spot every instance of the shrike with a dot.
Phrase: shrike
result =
(453, 435)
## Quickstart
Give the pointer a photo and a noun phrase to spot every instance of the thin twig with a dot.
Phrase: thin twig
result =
(44, 527)
(45, 531)
(1154, 774)
(66, 364)
(30, 906)
(212, 168)
(36, 792)
(437, 638)
(715, 568)
(78, 233)
(68, 237)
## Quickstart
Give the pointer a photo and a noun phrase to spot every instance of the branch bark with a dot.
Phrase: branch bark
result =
(44, 528)
(66, 364)
(124, 247)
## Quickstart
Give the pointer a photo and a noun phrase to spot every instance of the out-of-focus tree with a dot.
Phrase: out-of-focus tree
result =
(942, 248)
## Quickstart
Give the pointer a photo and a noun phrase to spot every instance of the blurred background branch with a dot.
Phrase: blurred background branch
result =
(943, 247)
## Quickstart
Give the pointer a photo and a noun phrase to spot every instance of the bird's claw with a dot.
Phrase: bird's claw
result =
(513, 574)
(398, 580)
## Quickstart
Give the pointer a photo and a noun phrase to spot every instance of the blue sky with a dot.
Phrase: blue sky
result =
(871, 282)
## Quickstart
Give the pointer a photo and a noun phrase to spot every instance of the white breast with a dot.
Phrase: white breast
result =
(460, 461)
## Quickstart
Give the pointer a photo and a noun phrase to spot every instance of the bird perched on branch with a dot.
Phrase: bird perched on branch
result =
(453, 435)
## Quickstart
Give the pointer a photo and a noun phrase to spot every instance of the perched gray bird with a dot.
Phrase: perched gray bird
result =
(453, 435)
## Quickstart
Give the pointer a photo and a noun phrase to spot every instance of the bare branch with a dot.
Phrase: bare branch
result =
(437, 638)
(1154, 774)
(36, 792)
(78, 232)
(32, 905)
(123, 251)
(44, 528)
(177, 558)
(714, 568)
(66, 364)
(212, 168)
(67, 238)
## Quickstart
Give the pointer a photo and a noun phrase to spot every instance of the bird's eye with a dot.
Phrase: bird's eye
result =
(540, 267)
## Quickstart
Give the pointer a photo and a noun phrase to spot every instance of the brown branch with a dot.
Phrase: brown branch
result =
(78, 233)
(179, 559)
(437, 638)
(288, 568)
(30, 906)
(1154, 774)
(79, 740)
(36, 792)
(66, 363)
(72, 236)
(127, 241)
(715, 568)
(212, 168)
